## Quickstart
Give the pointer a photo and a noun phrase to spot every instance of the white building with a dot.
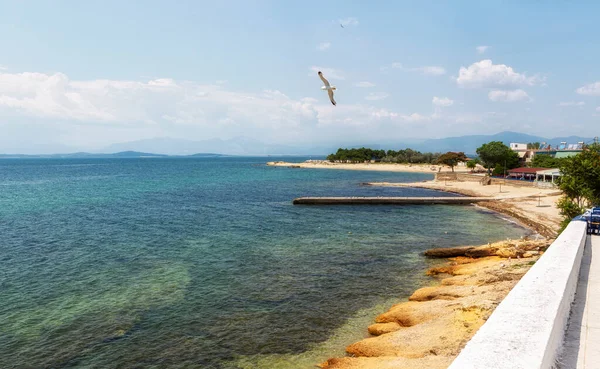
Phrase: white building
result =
(518, 146)
(547, 177)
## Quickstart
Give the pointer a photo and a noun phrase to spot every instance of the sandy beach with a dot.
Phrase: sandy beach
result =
(384, 167)
(533, 207)
(430, 329)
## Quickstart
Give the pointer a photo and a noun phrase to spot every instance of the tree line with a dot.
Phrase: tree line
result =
(494, 156)
(363, 154)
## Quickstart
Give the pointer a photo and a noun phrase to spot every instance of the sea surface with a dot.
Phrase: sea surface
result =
(205, 262)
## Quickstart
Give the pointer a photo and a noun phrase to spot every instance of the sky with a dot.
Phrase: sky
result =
(82, 75)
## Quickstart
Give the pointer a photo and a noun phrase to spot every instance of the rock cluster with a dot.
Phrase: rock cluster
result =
(430, 329)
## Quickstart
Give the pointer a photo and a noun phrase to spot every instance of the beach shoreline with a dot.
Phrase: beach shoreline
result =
(534, 208)
(381, 167)
(430, 329)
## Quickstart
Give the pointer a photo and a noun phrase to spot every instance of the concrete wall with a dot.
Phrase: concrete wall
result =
(527, 328)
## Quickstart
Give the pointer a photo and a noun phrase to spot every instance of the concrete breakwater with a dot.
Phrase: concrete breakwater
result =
(387, 200)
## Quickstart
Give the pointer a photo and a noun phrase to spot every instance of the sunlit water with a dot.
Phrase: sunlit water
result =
(205, 263)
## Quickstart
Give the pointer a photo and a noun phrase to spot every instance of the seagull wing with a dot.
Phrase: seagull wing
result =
(326, 82)
(330, 93)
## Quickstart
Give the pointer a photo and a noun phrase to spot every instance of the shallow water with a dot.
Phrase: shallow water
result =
(205, 263)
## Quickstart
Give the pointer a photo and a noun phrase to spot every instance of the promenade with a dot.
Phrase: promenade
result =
(582, 340)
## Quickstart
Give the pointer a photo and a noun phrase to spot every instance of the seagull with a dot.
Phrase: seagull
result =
(341, 25)
(327, 87)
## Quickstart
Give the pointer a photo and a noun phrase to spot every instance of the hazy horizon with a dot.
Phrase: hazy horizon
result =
(243, 146)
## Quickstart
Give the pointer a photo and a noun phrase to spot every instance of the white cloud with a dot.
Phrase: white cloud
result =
(598, 109)
(442, 101)
(2, 67)
(571, 103)
(100, 112)
(376, 96)
(482, 49)
(56, 97)
(486, 74)
(508, 96)
(329, 73)
(221, 81)
(428, 70)
(350, 21)
(324, 46)
(590, 89)
(415, 117)
(355, 115)
(365, 84)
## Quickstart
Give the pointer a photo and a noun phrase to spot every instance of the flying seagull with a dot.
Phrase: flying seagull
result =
(327, 87)
(341, 25)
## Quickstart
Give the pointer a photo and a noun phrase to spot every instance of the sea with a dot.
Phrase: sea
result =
(205, 262)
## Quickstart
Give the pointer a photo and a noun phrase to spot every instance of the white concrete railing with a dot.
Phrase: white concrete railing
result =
(527, 328)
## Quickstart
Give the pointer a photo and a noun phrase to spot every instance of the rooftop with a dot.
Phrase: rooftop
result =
(526, 170)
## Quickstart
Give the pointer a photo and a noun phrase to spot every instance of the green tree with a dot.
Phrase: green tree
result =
(545, 161)
(533, 145)
(472, 164)
(451, 159)
(580, 182)
(495, 153)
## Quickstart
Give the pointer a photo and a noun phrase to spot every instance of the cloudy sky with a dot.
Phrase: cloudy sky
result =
(85, 74)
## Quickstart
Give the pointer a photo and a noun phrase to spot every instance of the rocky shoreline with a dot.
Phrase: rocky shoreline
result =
(430, 329)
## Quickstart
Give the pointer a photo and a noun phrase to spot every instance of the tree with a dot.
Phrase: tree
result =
(496, 153)
(472, 164)
(533, 146)
(580, 182)
(545, 161)
(451, 159)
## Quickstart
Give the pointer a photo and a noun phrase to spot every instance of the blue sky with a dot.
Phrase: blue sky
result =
(85, 74)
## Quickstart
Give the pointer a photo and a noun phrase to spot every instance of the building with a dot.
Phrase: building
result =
(525, 154)
(547, 177)
(524, 173)
(562, 150)
(518, 146)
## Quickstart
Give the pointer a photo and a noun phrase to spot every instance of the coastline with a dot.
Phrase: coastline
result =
(382, 167)
(430, 329)
(533, 208)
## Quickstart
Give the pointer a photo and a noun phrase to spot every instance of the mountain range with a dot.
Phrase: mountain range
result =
(246, 146)
(243, 146)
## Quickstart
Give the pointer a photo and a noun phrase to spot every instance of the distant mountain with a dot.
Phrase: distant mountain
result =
(469, 144)
(235, 146)
(165, 146)
(205, 155)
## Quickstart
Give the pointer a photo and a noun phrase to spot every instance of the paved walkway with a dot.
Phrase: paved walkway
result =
(582, 340)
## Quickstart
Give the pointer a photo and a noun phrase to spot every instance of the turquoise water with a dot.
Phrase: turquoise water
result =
(204, 263)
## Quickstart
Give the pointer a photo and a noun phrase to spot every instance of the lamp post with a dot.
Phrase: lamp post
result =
(504, 178)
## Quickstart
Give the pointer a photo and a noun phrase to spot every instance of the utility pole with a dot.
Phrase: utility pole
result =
(503, 179)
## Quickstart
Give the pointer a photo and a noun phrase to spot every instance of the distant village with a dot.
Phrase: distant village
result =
(543, 175)
(534, 162)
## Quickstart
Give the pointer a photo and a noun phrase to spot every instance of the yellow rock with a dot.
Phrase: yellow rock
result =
(381, 328)
(427, 362)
